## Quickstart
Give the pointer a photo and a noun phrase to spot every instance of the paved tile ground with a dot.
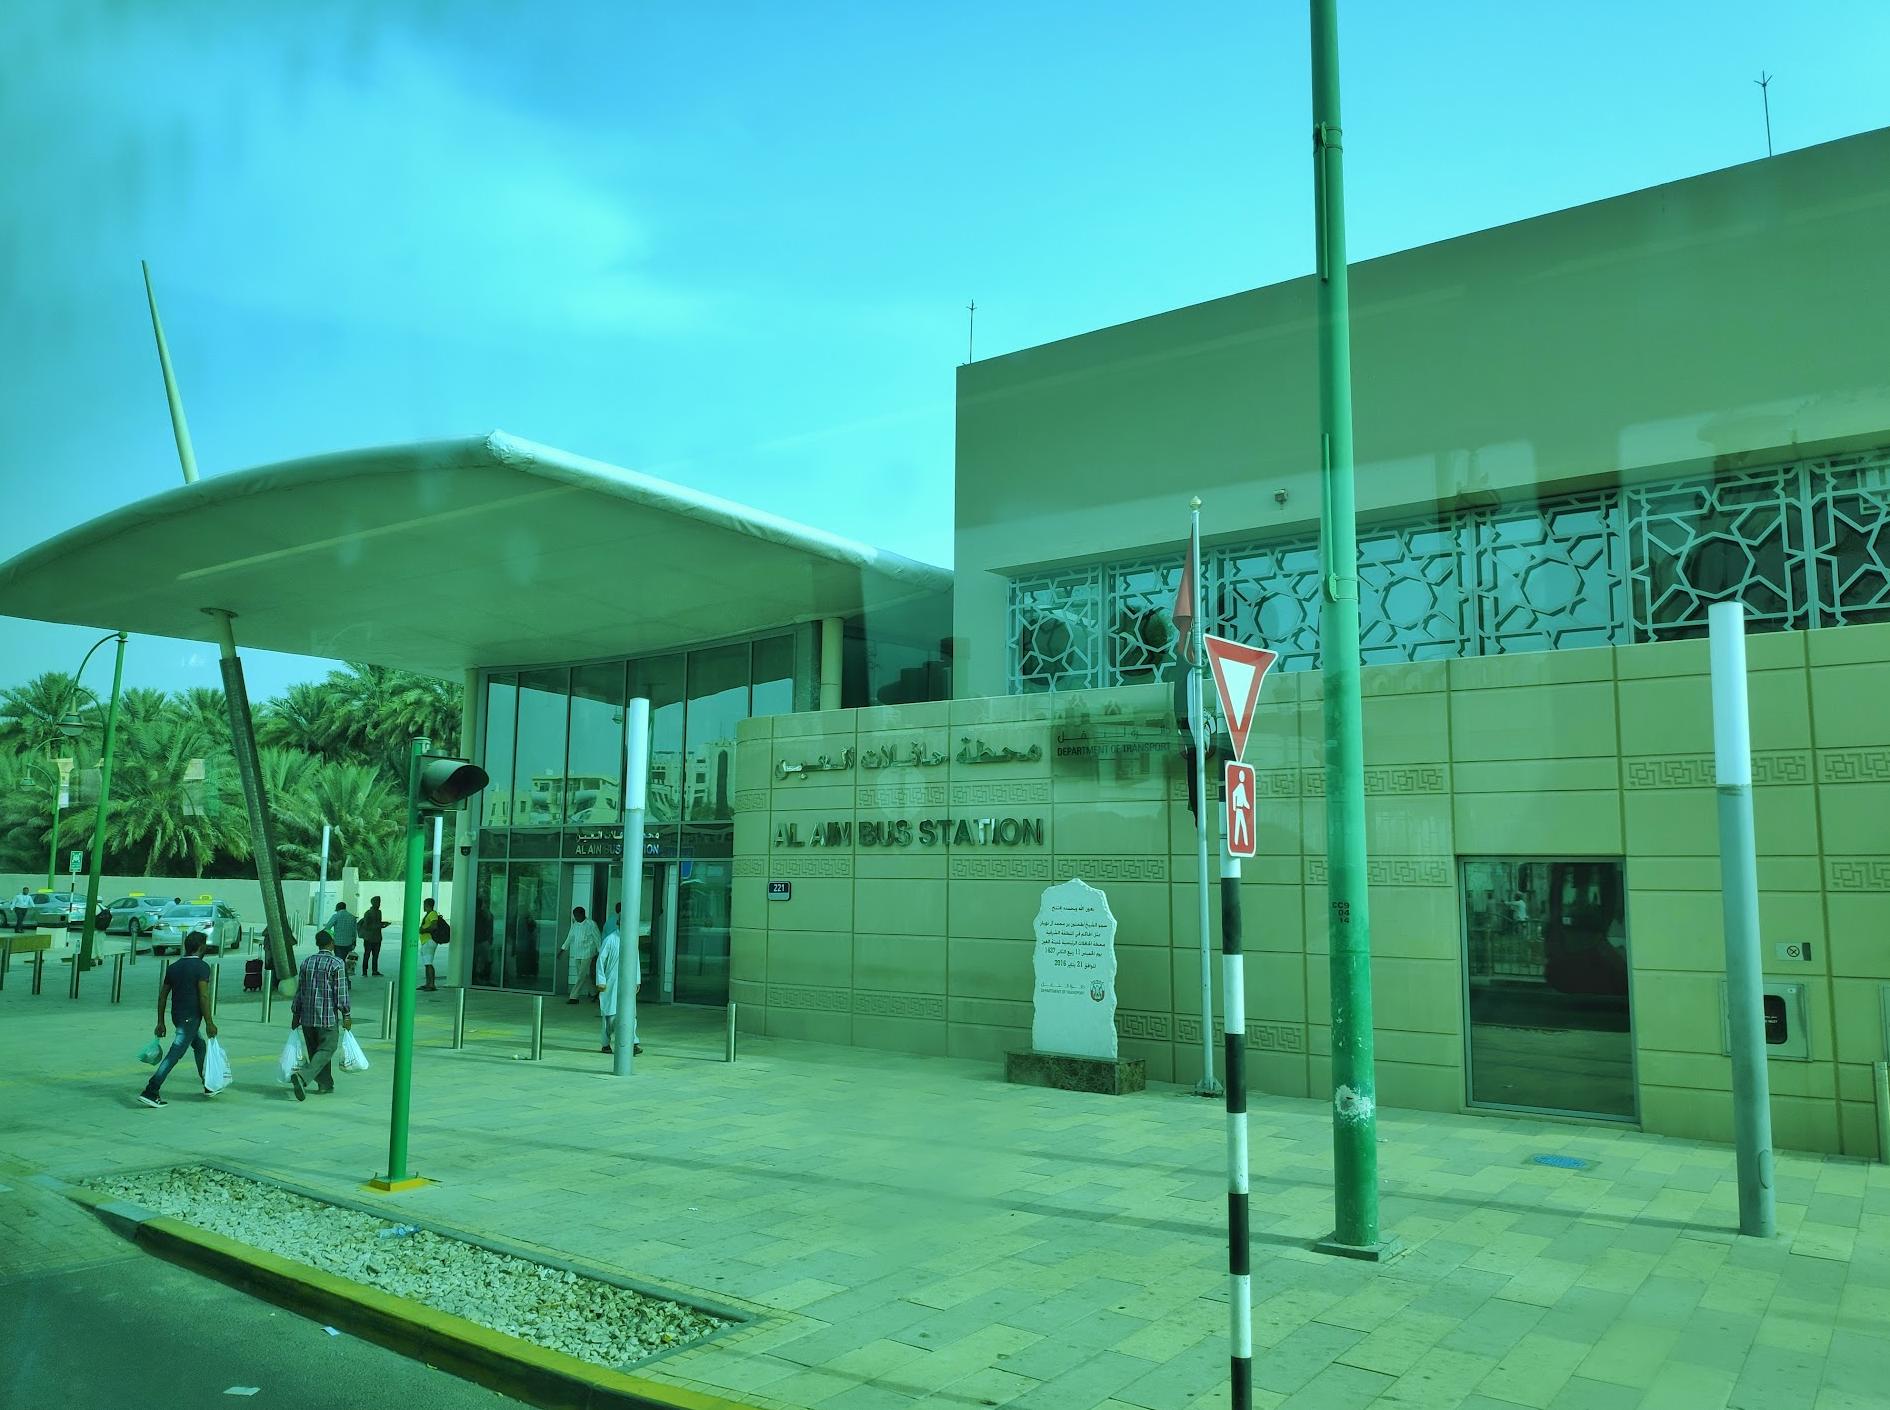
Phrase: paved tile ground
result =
(914, 1230)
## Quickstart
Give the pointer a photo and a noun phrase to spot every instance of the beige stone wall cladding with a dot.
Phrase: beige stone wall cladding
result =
(927, 949)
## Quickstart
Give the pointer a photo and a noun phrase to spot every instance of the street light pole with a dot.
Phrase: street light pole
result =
(104, 803)
(1354, 1087)
(397, 1177)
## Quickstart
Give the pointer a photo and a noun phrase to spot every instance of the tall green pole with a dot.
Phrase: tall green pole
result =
(52, 852)
(409, 975)
(1354, 1089)
(104, 802)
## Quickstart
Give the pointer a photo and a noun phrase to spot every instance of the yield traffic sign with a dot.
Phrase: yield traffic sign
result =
(1238, 671)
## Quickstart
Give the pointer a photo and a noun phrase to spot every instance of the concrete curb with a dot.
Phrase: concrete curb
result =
(504, 1363)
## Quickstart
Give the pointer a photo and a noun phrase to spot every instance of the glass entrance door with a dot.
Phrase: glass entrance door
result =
(1546, 986)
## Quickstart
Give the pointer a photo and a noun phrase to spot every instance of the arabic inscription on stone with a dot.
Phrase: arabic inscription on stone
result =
(1075, 966)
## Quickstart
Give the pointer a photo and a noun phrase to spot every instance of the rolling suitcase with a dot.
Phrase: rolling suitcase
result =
(252, 976)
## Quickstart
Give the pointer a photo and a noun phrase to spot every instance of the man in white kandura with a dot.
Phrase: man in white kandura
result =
(581, 944)
(607, 987)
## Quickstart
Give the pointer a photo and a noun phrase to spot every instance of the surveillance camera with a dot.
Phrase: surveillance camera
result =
(465, 851)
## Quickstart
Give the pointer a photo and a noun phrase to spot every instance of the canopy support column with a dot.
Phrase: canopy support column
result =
(262, 831)
(832, 640)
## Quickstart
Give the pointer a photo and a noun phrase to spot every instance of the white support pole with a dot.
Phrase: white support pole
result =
(1739, 902)
(321, 891)
(439, 829)
(832, 661)
(1197, 726)
(636, 797)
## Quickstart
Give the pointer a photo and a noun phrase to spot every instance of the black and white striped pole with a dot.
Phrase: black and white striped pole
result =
(1234, 1075)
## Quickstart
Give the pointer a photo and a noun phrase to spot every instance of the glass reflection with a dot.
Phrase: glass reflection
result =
(660, 681)
(593, 786)
(538, 770)
(501, 721)
(718, 701)
(531, 926)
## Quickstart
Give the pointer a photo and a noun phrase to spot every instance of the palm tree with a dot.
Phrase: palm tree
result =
(26, 804)
(303, 717)
(205, 708)
(379, 711)
(30, 714)
(176, 802)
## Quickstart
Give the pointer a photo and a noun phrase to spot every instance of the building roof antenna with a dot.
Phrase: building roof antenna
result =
(971, 326)
(1764, 80)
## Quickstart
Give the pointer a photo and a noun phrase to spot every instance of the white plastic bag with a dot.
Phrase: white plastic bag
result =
(352, 1058)
(152, 1053)
(216, 1067)
(294, 1056)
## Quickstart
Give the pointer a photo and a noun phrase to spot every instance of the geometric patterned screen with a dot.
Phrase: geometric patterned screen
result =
(1804, 545)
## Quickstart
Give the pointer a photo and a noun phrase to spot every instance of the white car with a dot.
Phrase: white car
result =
(216, 919)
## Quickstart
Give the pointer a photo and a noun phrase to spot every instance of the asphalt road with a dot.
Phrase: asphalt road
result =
(142, 1334)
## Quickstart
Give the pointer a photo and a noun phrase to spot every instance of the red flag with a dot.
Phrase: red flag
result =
(1184, 598)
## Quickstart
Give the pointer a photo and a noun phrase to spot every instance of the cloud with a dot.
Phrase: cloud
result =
(366, 183)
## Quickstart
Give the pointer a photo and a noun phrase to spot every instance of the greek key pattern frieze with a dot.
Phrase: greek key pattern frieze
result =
(918, 795)
(1094, 869)
(801, 996)
(839, 865)
(1266, 1037)
(1000, 869)
(1390, 871)
(1275, 783)
(1150, 1027)
(749, 866)
(1770, 768)
(983, 795)
(1857, 873)
(750, 800)
(1853, 765)
(1386, 778)
(878, 1004)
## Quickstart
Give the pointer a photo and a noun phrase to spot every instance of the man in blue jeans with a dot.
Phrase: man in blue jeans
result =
(187, 984)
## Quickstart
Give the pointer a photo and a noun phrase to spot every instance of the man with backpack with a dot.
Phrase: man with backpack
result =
(434, 933)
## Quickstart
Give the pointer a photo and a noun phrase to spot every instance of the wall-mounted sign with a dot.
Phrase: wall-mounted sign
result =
(927, 832)
(780, 891)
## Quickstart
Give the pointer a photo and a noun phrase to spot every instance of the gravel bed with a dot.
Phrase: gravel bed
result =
(582, 1317)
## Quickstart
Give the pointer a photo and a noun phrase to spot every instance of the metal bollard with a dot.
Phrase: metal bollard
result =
(728, 1054)
(1880, 1079)
(39, 970)
(459, 1017)
(216, 987)
(538, 1026)
(72, 976)
(268, 994)
(387, 1014)
(118, 979)
(6, 958)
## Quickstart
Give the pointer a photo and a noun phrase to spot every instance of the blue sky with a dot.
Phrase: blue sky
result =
(731, 244)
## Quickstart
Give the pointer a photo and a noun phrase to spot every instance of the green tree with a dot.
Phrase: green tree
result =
(176, 804)
(30, 716)
(303, 717)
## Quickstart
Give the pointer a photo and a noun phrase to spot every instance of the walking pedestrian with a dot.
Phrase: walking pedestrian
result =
(433, 934)
(22, 908)
(372, 925)
(321, 1010)
(608, 963)
(343, 927)
(581, 945)
(186, 983)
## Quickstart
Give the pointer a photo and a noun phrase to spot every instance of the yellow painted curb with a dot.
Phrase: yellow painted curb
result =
(382, 1186)
(504, 1363)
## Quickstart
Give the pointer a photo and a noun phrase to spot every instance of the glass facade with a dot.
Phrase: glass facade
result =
(1804, 544)
(556, 738)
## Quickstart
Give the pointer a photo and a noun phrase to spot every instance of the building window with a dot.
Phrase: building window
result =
(1804, 546)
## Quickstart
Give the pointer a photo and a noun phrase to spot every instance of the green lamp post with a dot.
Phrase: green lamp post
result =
(104, 802)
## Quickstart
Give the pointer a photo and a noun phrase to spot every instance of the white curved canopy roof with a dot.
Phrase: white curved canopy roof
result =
(452, 554)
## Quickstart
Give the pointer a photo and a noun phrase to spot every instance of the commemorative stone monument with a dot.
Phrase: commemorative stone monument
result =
(1073, 1026)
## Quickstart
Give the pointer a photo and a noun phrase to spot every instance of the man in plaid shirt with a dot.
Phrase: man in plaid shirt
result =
(321, 1010)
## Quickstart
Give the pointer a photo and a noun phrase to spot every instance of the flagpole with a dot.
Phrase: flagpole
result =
(1197, 726)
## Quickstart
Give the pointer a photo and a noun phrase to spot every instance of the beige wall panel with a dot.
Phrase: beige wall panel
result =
(822, 959)
(1406, 729)
(1134, 829)
(1531, 668)
(809, 1025)
(1551, 721)
(1534, 776)
(1275, 987)
(1859, 1019)
(747, 956)
(818, 904)
(1855, 817)
(907, 907)
(1276, 1074)
(1403, 1084)
(901, 963)
(1860, 933)
(1540, 823)
(989, 1013)
(1685, 821)
(922, 1037)
(984, 1044)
